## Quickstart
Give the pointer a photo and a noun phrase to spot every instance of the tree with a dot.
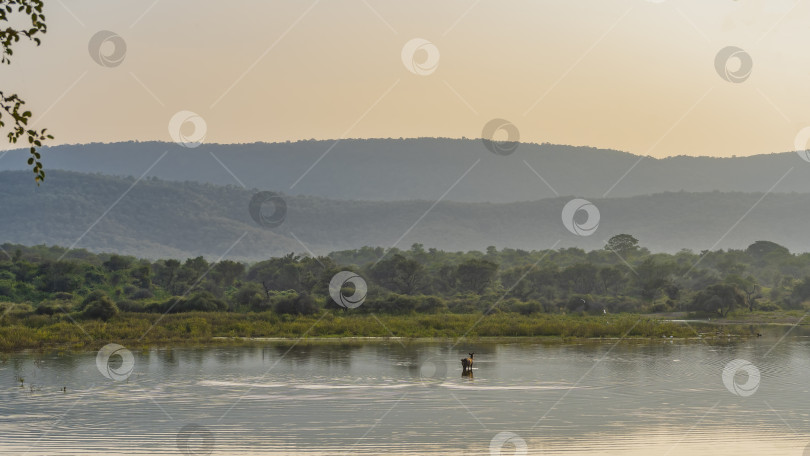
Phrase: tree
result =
(522, 289)
(652, 276)
(721, 298)
(11, 105)
(612, 277)
(226, 272)
(168, 273)
(747, 285)
(399, 274)
(56, 276)
(143, 275)
(475, 274)
(290, 272)
(196, 266)
(802, 290)
(252, 296)
(117, 263)
(622, 243)
(763, 249)
(581, 277)
(294, 303)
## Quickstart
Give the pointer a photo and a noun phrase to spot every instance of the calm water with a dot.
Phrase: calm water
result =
(374, 398)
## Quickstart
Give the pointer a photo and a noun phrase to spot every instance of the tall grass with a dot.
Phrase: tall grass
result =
(39, 331)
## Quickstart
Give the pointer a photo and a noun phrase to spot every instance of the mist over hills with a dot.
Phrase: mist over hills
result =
(158, 218)
(425, 168)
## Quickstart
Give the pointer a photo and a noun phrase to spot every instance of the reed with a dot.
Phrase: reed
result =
(38, 332)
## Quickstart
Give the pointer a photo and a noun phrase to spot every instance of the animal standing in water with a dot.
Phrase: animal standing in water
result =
(467, 363)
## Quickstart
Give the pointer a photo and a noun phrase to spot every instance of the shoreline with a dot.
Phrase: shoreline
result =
(211, 329)
(226, 341)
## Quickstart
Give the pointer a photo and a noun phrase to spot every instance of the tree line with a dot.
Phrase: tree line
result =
(621, 277)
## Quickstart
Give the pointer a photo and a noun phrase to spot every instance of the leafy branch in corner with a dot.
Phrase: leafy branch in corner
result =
(11, 105)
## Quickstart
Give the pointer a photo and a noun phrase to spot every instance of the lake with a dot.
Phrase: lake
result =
(668, 397)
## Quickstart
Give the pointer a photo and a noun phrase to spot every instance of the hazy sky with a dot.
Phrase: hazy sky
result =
(634, 75)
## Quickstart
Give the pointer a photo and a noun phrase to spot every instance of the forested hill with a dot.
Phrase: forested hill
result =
(424, 168)
(184, 219)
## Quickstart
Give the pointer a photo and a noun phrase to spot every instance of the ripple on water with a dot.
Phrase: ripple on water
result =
(587, 399)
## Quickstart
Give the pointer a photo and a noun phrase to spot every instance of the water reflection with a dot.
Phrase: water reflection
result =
(660, 397)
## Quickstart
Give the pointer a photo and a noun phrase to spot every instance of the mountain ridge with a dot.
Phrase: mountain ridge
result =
(426, 168)
(156, 218)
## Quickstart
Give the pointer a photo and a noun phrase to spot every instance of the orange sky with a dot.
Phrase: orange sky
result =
(633, 75)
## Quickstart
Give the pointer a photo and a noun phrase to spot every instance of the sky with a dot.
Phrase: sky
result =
(634, 75)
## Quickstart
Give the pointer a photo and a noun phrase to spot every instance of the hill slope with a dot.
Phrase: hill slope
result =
(409, 169)
(159, 219)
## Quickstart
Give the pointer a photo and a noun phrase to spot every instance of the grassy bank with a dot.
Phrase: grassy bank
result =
(138, 329)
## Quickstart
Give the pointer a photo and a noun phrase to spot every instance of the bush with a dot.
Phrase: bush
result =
(6, 288)
(102, 308)
(48, 308)
(431, 304)
(659, 307)
(202, 301)
(578, 304)
(464, 304)
(93, 296)
(391, 304)
(768, 306)
(527, 308)
(130, 306)
(141, 293)
(252, 296)
(205, 301)
(294, 303)
(155, 307)
(7, 280)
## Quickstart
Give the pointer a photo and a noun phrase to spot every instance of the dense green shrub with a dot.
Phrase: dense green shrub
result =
(430, 304)
(252, 296)
(199, 301)
(130, 306)
(294, 303)
(49, 308)
(100, 307)
(141, 293)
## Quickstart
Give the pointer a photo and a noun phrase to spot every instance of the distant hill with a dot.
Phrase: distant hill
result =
(180, 219)
(413, 169)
